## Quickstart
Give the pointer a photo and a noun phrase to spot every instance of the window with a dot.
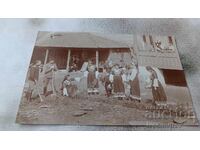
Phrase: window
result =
(151, 40)
(174, 77)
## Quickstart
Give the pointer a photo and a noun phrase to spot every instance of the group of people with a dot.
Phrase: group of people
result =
(119, 80)
(48, 71)
(122, 81)
(115, 78)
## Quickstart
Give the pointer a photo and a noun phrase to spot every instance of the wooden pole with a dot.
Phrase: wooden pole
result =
(46, 57)
(43, 70)
(97, 59)
(45, 61)
(68, 59)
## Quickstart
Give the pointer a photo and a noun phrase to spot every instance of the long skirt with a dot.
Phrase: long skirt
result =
(118, 84)
(135, 89)
(92, 82)
(159, 93)
(72, 90)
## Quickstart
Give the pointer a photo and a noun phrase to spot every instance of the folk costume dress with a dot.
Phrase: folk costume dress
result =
(92, 80)
(118, 84)
(134, 84)
(157, 88)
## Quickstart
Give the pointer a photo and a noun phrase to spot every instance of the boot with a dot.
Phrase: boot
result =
(45, 91)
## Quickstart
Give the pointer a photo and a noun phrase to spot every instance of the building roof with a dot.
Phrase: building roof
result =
(83, 40)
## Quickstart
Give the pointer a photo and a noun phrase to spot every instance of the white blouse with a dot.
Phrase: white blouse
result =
(133, 74)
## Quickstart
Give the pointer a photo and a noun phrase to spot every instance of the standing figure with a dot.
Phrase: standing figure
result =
(107, 82)
(65, 83)
(49, 70)
(74, 64)
(108, 86)
(134, 83)
(73, 67)
(118, 85)
(157, 88)
(33, 79)
(92, 79)
(68, 88)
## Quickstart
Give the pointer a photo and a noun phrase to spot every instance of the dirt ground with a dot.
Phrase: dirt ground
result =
(95, 110)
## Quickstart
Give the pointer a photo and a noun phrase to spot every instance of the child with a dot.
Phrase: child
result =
(68, 88)
(66, 82)
(108, 85)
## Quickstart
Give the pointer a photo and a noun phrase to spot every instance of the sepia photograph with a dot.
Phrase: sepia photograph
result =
(103, 69)
(88, 78)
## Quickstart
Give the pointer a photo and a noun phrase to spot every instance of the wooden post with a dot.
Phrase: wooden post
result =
(97, 59)
(45, 61)
(46, 57)
(41, 75)
(68, 59)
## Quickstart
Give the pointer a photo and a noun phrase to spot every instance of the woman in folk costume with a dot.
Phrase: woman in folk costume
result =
(92, 79)
(157, 88)
(134, 82)
(118, 84)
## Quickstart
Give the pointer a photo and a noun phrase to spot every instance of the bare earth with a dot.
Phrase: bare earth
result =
(95, 110)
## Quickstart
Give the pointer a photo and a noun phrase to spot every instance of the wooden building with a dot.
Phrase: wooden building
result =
(61, 47)
(158, 51)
